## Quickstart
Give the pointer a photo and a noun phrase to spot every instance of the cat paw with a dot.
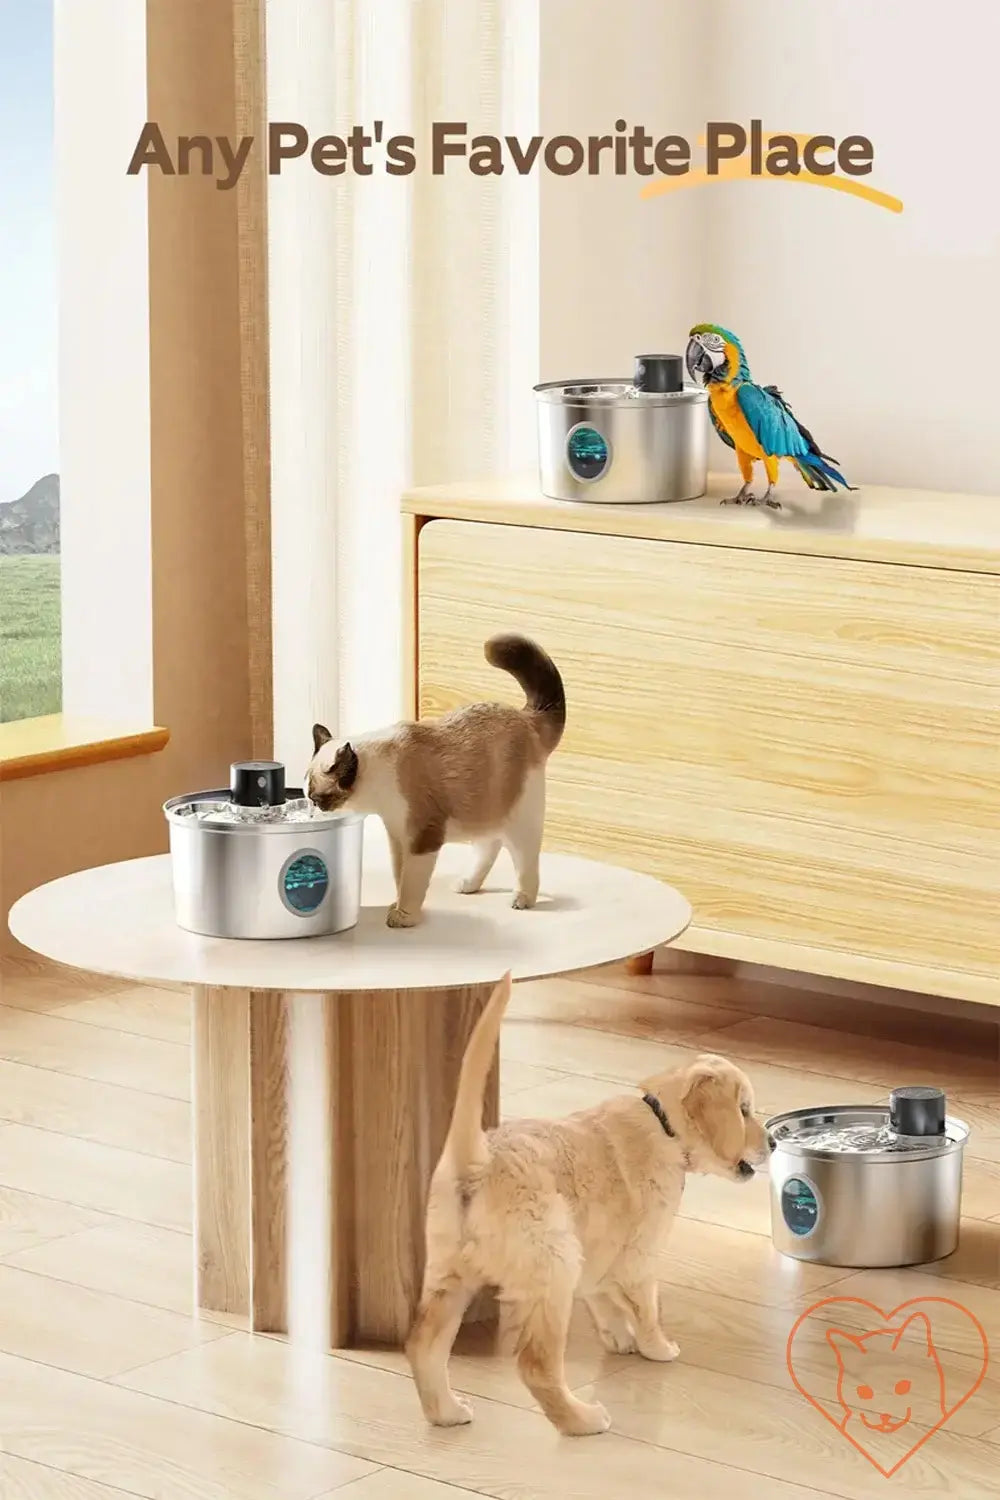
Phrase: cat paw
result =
(397, 917)
(522, 901)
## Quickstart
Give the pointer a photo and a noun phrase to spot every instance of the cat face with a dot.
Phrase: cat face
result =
(331, 778)
(890, 1376)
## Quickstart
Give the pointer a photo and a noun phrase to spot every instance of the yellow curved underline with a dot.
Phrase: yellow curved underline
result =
(742, 173)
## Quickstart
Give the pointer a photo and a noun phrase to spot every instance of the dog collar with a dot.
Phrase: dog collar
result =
(659, 1112)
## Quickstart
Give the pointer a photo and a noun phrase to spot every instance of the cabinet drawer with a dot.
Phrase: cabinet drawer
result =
(806, 746)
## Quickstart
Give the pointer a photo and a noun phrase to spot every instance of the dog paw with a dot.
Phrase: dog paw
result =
(522, 901)
(584, 1420)
(455, 1413)
(468, 887)
(662, 1350)
(397, 917)
(618, 1340)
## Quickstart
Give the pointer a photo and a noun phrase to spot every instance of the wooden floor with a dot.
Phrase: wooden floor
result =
(109, 1385)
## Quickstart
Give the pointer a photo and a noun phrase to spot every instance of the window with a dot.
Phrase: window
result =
(30, 645)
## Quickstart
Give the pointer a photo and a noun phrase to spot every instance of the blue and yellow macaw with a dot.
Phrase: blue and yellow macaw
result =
(756, 420)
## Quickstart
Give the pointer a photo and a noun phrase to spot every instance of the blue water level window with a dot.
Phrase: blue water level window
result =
(587, 453)
(799, 1206)
(304, 883)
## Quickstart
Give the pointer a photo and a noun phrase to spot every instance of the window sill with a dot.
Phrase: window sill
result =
(60, 742)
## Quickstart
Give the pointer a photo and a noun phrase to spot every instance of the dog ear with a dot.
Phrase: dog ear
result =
(712, 1104)
(345, 767)
(321, 737)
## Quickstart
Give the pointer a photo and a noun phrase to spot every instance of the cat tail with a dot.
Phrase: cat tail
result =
(538, 676)
(465, 1147)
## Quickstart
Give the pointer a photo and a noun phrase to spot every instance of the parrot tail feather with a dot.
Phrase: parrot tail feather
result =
(814, 484)
(820, 475)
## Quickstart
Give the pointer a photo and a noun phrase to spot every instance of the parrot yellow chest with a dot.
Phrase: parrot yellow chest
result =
(727, 411)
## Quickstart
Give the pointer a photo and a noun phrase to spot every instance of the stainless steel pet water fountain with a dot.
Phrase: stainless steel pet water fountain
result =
(868, 1185)
(621, 442)
(262, 861)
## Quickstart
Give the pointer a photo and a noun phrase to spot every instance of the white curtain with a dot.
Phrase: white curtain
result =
(403, 324)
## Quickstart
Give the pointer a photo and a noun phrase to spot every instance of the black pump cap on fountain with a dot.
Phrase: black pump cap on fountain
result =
(659, 372)
(257, 783)
(917, 1111)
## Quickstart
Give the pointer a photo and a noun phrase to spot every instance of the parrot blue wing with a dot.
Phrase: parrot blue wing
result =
(781, 435)
(770, 422)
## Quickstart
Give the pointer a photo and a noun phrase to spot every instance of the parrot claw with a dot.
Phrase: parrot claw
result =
(764, 499)
(742, 497)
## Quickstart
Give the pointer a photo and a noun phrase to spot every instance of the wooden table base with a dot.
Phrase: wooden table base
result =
(319, 1119)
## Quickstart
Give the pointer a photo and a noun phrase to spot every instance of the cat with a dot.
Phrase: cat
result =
(476, 775)
(890, 1376)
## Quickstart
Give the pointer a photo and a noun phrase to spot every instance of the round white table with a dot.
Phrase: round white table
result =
(325, 1068)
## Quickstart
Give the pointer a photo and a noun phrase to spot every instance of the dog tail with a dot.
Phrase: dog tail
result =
(538, 675)
(465, 1145)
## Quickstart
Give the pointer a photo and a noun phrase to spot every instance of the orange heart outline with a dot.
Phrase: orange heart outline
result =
(886, 1319)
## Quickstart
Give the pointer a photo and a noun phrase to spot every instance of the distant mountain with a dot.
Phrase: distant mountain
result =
(31, 524)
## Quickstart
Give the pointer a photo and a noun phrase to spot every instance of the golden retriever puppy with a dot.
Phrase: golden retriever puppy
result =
(548, 1210)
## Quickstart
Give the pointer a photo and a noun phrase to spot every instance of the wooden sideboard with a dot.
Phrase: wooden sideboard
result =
(793, 716)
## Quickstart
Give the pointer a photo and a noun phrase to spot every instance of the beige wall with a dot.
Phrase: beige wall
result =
(620, 276)
(879, 327)
(210, 601)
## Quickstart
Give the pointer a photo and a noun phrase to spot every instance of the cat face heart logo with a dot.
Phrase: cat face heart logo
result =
(887, 1380)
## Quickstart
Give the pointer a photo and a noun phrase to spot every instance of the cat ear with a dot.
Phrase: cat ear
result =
(321, 737)
(843, 1343)
(345, 766)
(916, 1332)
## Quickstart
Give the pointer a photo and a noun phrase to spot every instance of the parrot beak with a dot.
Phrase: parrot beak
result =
(698, 361)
